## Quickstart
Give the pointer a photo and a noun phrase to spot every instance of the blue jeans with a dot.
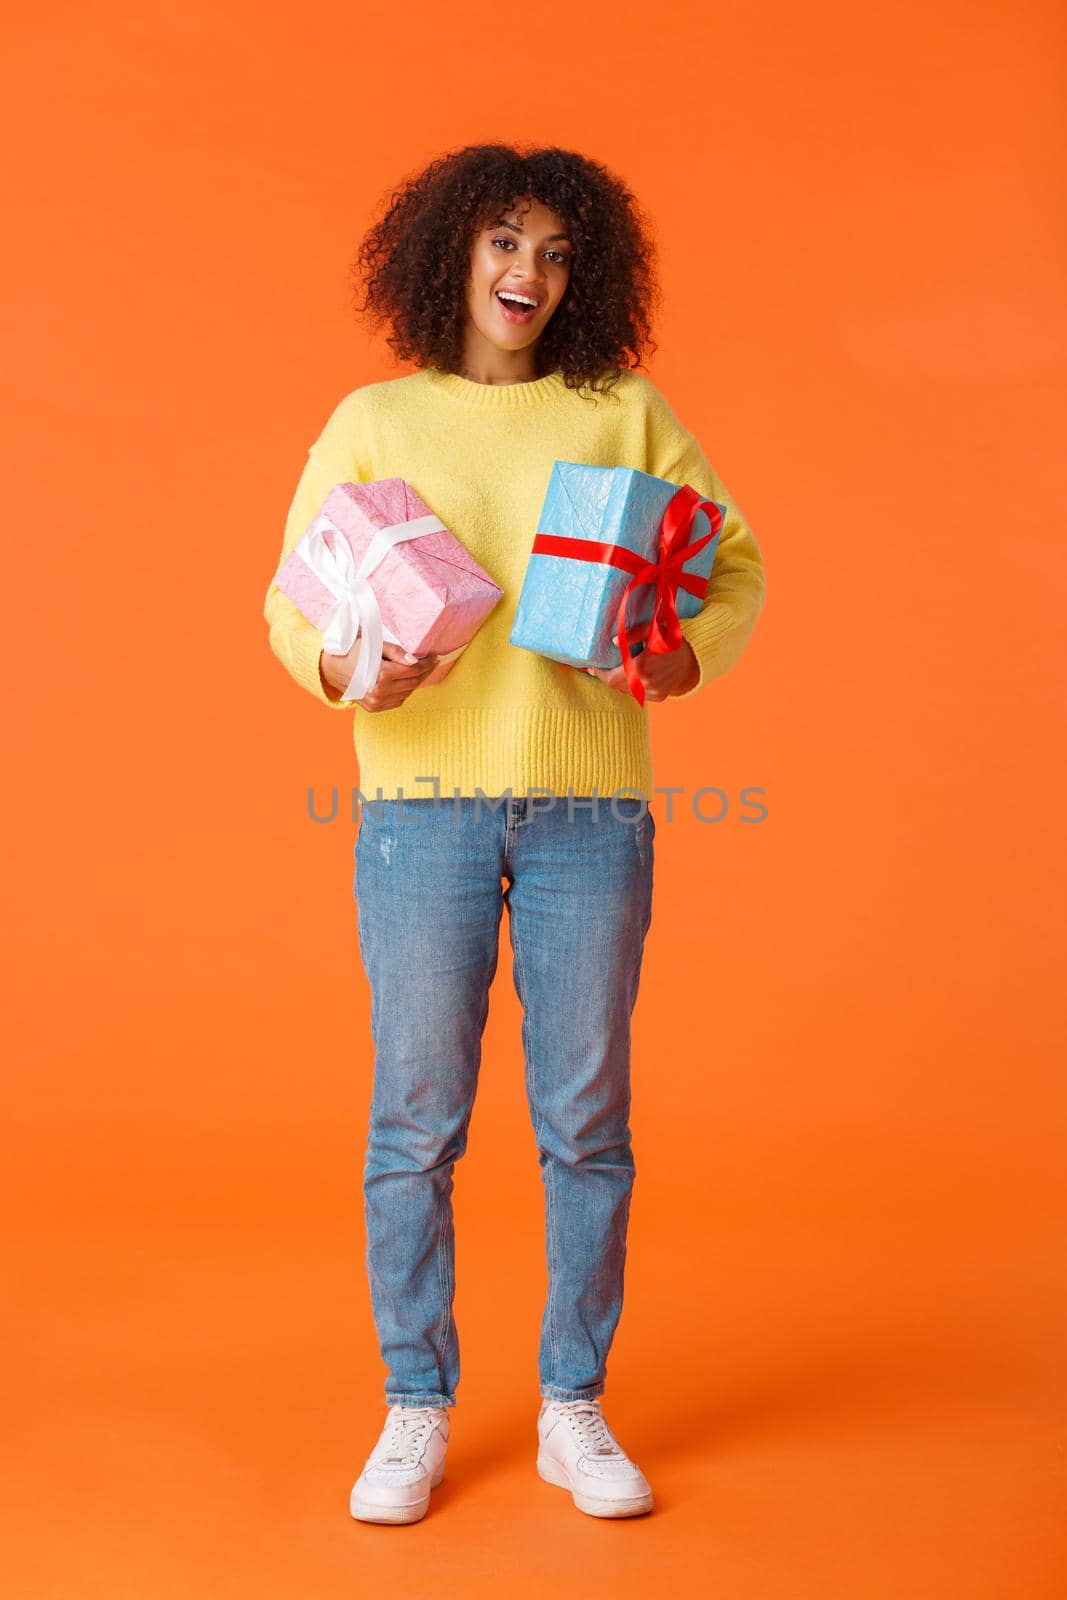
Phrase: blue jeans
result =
(431, 877)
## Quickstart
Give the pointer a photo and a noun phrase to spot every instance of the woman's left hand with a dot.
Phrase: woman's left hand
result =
(662, 675)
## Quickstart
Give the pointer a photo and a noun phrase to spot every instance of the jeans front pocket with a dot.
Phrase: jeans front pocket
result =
(644, 833)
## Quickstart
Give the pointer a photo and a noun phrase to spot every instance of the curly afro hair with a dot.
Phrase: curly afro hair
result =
(415, 261)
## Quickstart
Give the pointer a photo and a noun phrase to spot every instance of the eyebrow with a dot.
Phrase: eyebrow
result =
(502, 222)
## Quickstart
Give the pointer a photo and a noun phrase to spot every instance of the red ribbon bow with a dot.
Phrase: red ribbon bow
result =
(665, 633)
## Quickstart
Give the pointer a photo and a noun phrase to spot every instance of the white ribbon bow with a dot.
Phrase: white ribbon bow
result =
(356, 609)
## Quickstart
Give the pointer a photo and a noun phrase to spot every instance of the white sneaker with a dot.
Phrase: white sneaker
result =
(406, 1463)
(578, 1451)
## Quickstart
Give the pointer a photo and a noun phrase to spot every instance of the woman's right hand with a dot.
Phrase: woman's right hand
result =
(398, 675)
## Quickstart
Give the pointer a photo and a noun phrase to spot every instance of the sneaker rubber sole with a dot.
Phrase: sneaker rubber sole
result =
(368, 1511)
(552, 1472)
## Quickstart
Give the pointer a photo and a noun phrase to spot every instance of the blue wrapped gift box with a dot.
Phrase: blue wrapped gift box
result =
(568, 607)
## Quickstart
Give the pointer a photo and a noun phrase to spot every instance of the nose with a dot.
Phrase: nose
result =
(529, 274)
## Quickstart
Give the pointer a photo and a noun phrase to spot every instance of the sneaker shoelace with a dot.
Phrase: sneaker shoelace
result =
(404, 1435)
(595, 1436)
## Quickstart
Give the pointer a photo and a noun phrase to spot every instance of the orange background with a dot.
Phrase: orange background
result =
(841, 1355)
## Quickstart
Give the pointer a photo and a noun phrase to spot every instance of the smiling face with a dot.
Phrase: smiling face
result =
(526, 253)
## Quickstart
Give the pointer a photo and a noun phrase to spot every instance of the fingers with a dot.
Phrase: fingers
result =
(647, 669)
(635, 635)
(397, 668)
(396, 682)
(398, 671)
(397, 653)
(614, 677)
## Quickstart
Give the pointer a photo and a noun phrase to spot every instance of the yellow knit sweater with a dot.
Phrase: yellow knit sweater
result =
(480, 456)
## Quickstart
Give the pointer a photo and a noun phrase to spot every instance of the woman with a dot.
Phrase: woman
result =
(520, 285)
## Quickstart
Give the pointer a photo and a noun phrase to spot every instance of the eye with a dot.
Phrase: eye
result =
(561, 256)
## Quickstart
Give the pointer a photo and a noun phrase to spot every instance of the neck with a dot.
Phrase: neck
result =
(482, 362)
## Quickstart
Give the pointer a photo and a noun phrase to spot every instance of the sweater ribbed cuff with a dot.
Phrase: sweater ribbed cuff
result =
(718, 637)
(300, 649)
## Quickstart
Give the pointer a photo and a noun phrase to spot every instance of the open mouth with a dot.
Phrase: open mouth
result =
(515, 310)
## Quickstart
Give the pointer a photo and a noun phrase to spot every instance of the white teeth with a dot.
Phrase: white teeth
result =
(520, 299)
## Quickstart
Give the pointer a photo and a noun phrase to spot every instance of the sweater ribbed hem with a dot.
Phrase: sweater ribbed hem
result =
(496, 396)
(472, 749)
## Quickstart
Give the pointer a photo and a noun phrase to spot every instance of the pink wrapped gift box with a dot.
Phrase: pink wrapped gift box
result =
(376, 562)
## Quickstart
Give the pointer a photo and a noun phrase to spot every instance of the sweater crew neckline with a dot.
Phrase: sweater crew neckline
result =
(496, 396)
